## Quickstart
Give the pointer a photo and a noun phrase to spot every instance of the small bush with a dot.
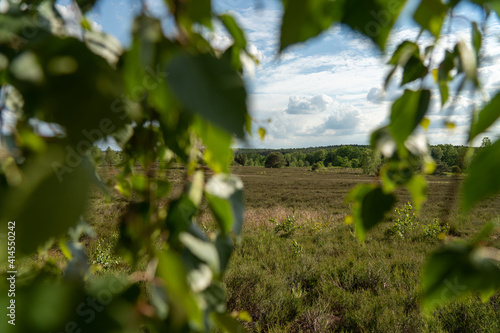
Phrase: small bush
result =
(286, 228)
(296, 248)
(317, 166)
(404, 222)
(435, 230)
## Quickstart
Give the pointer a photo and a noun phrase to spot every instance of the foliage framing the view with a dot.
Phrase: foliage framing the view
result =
(165, 99)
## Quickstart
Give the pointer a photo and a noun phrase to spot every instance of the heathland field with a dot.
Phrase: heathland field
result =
(300, 268)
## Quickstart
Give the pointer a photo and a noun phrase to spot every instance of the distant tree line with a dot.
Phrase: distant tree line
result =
(448, 158)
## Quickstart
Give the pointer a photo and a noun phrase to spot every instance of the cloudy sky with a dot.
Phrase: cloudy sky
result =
(327, 91)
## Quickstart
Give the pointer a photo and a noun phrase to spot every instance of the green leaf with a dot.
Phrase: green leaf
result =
(189, 12)
(234, 30)
(74, 79)
(224, 194)
(182, 301)
(467, 64)
(430, 15)
(418, 190)
(224, 246)
(413, 70)
(180, 213)
(262, 133)
(373, 18)
(370, 204)
(486, 117)
(403, 52)
(85, 5)
(483, 180)
(458, 269)
(407, 113)
(211, 88)
(49, 200)
(228, 324)
(444, 75)
(477, 38)
(203, 250)
(306, 19)
(217, 153)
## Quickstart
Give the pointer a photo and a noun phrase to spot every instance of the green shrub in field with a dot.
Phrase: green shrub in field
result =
(435, 230)
(317, 166)
(405, 221)
(296, 248)
(286, 228)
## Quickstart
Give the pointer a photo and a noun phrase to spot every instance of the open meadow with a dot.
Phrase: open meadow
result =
(300, 268)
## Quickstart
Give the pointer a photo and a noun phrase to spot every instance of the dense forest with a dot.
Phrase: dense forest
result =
(448, 158)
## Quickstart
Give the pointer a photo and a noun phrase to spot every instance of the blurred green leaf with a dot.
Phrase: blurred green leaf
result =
(262, 133)
(407, 113)
(477, 38)
(224, 194)
(193, 11)
(85, 5)
(430, 15)
(83, 82)
(234, 30)
(373, 18)
(228, 323)
(224, 246)
(486, 117)
(181, 298)
(49, 200)
(370, 204)
(413, 70)
(306, 19)
(211, 88)
(418, 190)
(204, 250)
(403, 53)
(455, 270)
(482, 180)
(180, 213)
(217, 153)
(444, 75)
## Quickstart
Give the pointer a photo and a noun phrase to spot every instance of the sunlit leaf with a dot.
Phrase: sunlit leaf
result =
(225, 197)
(418, 190)
(217, 153)
(407, 113)
(262, 133)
